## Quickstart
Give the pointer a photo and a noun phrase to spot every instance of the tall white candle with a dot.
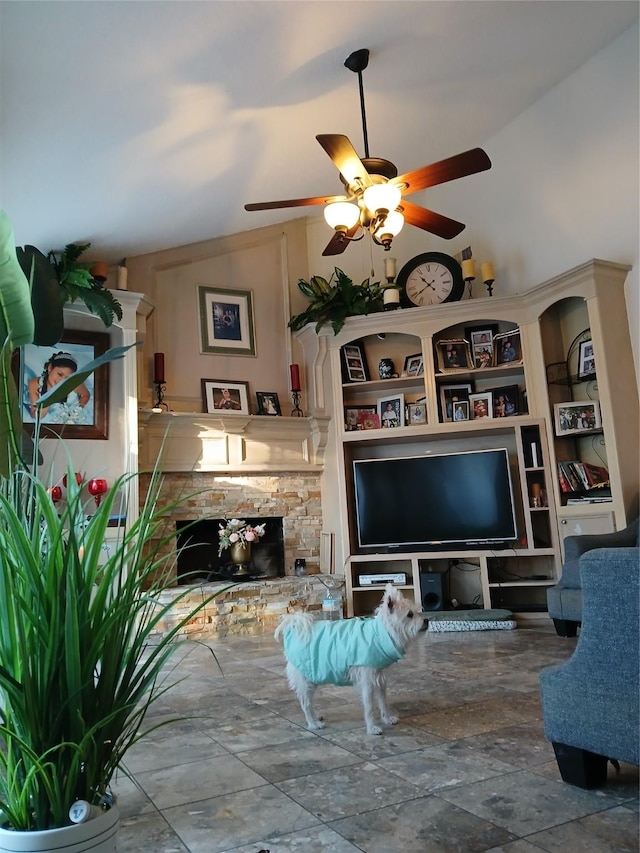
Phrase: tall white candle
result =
(122, 278)
(389, 268)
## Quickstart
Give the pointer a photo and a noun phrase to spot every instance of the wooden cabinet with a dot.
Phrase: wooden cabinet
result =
(540, 326)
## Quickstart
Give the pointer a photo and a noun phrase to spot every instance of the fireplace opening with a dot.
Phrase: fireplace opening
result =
(198, 559)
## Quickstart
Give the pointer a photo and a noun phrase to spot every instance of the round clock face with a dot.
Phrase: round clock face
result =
(430, 279)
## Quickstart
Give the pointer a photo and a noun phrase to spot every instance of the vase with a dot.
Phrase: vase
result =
(240, 556)
(97, 835)
(385, 368)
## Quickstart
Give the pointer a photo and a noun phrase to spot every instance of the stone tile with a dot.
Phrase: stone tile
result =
(524, 745)
(200, 780)
(424, 825)
(230, 821)
(395, 740)
(443, 766)
(621, 787)
(348, 790)
(148, 832)
(297, 758)
(175, 743)
(317, 839)
(468, 720)
(520, 846)
(612, 831)
(253, 734)
(523, 802)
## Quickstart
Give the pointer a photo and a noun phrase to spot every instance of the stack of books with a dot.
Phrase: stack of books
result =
(581, 476)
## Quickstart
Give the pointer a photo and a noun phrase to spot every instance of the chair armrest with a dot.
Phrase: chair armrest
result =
(576, 546)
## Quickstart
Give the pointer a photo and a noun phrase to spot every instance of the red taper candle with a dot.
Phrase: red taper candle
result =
(295, 377)
(158, 367)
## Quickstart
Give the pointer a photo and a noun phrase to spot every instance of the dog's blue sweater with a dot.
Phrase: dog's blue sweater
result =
(334, 647)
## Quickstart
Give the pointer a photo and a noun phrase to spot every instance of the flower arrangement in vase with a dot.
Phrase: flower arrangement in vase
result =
(237, 531)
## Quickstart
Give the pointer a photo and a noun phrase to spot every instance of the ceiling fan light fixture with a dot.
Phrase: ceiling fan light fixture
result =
(387, 228)
(341, 215)
(382, 197)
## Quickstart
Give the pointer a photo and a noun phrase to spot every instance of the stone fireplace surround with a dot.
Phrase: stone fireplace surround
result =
(236, 466)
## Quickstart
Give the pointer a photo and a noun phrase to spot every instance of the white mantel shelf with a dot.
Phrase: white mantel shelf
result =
(229, 442)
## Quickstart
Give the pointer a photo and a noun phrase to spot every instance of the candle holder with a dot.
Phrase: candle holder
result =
(296, 412)
(159, 403)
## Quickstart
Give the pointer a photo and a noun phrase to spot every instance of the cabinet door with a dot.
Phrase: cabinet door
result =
(579, 525)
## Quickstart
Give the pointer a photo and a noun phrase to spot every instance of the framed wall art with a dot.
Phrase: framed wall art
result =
(85, 412)
(219, 395)
(577, 417)
(354, 363)
(226, 321)
(268, 403)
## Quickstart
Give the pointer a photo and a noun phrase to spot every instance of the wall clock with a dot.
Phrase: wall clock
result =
(430, 279)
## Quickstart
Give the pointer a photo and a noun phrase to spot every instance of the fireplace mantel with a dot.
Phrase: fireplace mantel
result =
(229, 442)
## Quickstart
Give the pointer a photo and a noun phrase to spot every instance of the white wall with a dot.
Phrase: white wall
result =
(563, 188)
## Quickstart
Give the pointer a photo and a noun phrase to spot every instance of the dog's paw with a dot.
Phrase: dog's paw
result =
(374, 730)
(390, 720)
(314, 725)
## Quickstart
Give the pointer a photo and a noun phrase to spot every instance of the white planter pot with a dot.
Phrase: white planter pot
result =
(97, 835)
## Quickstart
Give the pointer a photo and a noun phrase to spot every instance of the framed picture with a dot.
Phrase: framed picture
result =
(572, 418)
(226, 321)
(218, 395)
(481, 405)
(354, 363)
(507, 347)
(84, 414)
(416, 413)
(452, 394)
(586, 361)
(453, 355)
(482, 355)
(413, 365)
(481, 335)
(505, 401)
(352, 416)
(368, 419)
(268, 403)
(391, 411)
(461, 411)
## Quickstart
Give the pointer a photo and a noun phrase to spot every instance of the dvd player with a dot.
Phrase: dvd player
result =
(398, 578)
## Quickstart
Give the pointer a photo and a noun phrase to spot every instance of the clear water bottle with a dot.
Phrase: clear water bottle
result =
(332, 602)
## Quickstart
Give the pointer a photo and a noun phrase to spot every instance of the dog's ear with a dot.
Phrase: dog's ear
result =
(390, 595)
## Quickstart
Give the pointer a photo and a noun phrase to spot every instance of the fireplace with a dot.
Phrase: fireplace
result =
(198, 559)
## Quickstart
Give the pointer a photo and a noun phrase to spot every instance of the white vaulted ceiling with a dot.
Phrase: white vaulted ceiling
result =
(144, 125)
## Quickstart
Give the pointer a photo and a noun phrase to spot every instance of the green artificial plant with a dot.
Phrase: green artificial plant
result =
(82, 657)
(334, 300)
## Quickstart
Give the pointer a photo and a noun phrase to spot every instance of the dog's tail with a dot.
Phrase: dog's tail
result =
(301, 623)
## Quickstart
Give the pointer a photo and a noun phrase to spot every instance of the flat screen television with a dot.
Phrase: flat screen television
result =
(439, 500)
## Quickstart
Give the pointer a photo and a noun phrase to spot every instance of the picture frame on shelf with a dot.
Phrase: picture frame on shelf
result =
(461, 411)
(226, 321)
(453, 355)
(85, 412)
(481, 405)
(354, 363)
(483, 334)
(505, 401)
(451, 394)
(219, 395)
(507, 348)
(391, 411)
(352, 416)
(483, 356)
(586, 360)
(582, 416)
(413, 365)
(268, 403)
(416, 414)
(368, 419)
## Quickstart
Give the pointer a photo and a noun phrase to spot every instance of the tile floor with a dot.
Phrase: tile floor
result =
(467, 769)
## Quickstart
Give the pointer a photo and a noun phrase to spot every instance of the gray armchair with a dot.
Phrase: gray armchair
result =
(590, 702)
(564, 600)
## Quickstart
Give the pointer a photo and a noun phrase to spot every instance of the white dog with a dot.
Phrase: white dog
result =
(349, 651)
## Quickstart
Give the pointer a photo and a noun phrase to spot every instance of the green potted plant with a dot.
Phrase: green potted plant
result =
(81, 660)
(334, 300)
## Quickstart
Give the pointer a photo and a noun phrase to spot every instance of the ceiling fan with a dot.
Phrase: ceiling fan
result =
(374, 191)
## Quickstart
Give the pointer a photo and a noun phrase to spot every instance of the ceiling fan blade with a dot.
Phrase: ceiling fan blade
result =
(345, 158)
(467, 163)
(337, 244)
(429, 220)
(295, 202)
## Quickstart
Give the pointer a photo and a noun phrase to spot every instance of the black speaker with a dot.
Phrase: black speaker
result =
(432, 591)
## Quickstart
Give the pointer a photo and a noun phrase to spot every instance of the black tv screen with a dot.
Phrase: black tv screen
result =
(425, 501)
